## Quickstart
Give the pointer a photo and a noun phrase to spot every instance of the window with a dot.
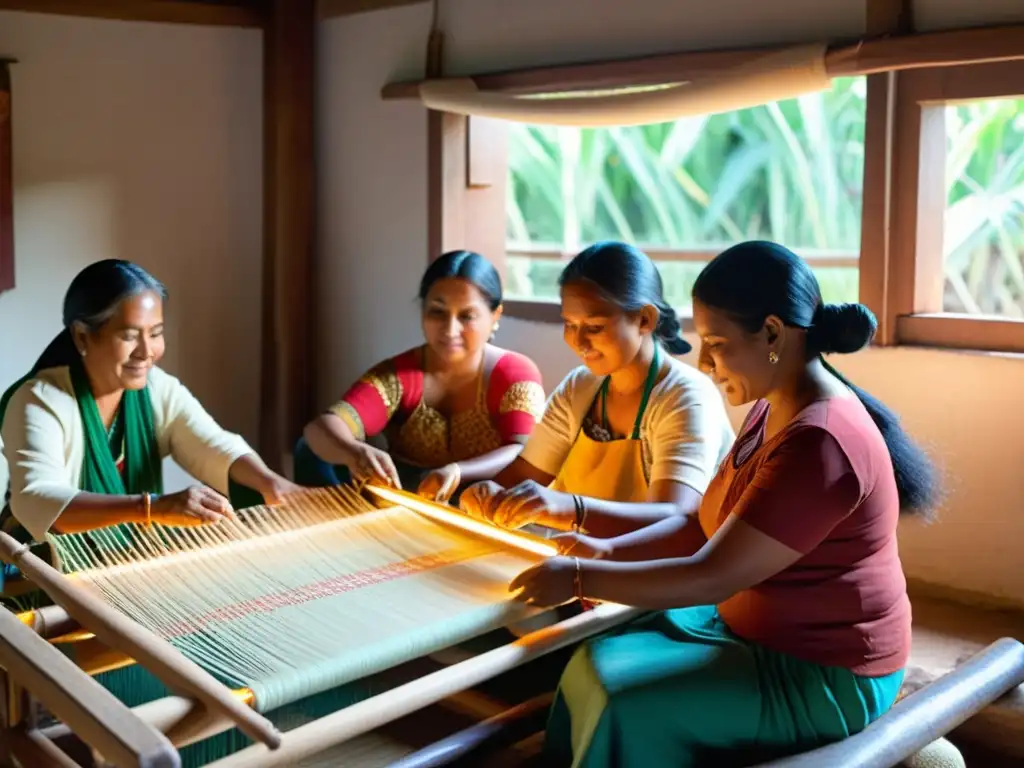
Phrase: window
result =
(983, 228)
(958, 236)
(903, 189)
(790, 171)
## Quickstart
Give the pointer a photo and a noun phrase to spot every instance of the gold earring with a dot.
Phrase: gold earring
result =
(773, 358)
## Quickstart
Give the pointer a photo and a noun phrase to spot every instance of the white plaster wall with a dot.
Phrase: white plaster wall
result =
(141, 141)
(373, 213)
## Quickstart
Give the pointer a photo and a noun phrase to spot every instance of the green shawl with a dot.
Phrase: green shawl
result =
(143, 468)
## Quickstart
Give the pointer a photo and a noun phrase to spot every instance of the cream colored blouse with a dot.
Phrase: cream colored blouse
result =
(685, 431)
(43, 442)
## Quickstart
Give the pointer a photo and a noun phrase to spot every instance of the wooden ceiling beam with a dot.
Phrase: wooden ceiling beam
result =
(224, 13)
(872, 55)
(330, 8)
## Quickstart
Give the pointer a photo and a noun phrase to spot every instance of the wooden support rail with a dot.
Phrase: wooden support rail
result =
(148, 649)
(89, 709)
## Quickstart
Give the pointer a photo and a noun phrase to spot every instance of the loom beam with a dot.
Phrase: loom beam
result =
(364, 716)
(148, 649)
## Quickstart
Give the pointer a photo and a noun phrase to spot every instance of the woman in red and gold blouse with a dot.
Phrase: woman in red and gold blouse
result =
(454, 410)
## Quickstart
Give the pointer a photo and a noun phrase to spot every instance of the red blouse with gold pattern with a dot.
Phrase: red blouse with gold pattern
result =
(388, 399)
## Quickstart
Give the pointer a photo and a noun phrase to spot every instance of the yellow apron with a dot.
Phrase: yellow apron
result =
(612, 471)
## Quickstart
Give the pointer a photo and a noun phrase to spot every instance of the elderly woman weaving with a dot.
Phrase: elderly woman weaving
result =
(454, 410)
(788, 624)
(85, 431)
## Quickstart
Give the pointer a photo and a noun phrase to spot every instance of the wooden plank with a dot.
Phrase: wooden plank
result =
(92, 712)
(817, 259)
(446, 182)
(877, 202)
(289, 195)
(6, 179)
(894, 52)
(883, 17)
(648, 70)
(954, 331)
(331, 8)
(903, 222)
(234, 13)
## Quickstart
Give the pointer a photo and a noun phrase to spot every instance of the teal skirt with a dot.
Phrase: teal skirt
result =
(679, 689)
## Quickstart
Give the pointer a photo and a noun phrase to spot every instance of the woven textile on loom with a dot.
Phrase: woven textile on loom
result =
(296, 601)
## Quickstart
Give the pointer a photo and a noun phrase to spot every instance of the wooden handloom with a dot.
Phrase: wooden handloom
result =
(153, 733)
(103, 638)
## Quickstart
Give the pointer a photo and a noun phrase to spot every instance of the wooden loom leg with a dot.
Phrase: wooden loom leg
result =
(153, 652)
(87, 707)
(33, 750)
(364, 716)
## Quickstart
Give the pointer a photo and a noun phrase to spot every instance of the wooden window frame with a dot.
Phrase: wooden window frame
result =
(467, 188)
(909, 77)
(915, 272)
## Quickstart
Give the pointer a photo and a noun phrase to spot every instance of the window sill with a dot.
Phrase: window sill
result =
(965, 332)
(550, 312)
(968, 333)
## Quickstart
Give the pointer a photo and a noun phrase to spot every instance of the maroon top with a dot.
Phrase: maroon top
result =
(823, 486)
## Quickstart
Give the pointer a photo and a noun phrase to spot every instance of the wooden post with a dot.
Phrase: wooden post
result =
(6, 179)
(883, 17)
(287, 365)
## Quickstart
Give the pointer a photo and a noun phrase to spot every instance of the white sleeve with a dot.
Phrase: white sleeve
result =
(687, 434)
(196, 442)
(34, 445)
(552, 438)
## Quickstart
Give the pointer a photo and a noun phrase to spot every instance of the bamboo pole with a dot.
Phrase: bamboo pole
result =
(148, 649)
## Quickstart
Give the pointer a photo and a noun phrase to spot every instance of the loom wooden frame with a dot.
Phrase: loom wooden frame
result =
(467, 160)
(211, 707)
(135, 737)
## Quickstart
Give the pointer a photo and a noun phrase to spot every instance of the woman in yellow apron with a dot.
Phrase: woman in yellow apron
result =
(631, 437)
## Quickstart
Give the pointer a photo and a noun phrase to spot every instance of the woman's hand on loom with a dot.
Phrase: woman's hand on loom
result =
(439, 484)
(367, 463)
(547, 584)
(278, 489)
(580, 545)
(529, 502)
(196, 505)
(478, 499)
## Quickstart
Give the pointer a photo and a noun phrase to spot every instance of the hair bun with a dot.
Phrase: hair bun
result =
(670, 333)
(841, 328)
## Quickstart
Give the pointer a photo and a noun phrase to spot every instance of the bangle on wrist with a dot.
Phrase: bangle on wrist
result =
(577, 587)
(581, 513)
